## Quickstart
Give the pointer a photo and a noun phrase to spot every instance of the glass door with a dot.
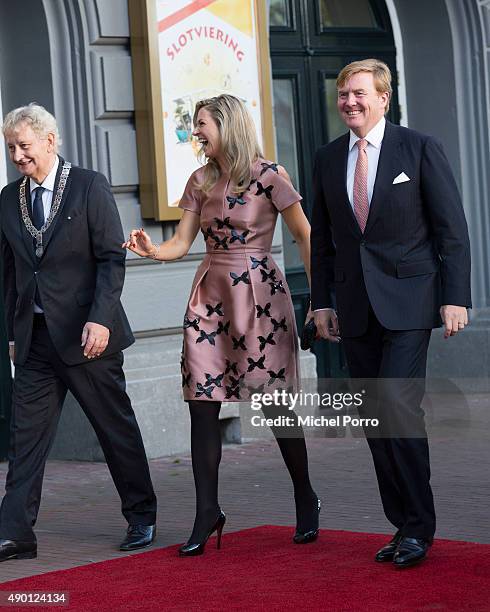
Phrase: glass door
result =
(310, 42)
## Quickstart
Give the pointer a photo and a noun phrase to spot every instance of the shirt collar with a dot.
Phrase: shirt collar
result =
(49, 181)
(374, 137)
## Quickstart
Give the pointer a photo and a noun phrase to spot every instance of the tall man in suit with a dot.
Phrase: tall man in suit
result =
(389, 234)
(63, 269)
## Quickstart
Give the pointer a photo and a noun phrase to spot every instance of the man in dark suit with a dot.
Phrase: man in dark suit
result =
(63, 269)
(390, 235)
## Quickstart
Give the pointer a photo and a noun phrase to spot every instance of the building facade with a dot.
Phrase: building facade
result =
(74, 57)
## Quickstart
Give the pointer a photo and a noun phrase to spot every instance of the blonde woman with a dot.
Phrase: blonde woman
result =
(239, 329)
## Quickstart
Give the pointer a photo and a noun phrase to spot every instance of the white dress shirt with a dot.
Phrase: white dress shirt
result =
(47, 197)
(48, 185)
(373, 149)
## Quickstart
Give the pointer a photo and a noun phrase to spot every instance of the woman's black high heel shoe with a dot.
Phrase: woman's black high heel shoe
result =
(192, 550)
(308, 536)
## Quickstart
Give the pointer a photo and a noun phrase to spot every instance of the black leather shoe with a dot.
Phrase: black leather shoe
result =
(410, 551)
(388, 552)
(138, 536)
(12, 549)
(308, 536)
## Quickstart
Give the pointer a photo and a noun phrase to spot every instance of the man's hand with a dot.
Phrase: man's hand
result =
(95, 339)
(327, 324)
(12, 351)
(455, 318)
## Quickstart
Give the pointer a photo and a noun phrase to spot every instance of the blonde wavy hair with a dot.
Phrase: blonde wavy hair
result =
(238, 140)
(380, 71)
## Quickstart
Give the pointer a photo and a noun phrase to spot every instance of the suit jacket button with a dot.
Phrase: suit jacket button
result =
(363, 243)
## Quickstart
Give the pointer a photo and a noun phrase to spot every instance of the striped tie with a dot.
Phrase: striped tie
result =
(361, 202)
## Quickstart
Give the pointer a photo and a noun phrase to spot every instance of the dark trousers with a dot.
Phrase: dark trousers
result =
(400, 450)
(40, 387)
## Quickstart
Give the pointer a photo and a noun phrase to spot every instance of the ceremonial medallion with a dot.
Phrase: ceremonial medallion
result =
(37, 234)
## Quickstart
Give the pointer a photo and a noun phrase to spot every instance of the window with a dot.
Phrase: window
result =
(279, 13)
(285, 120)
(346, 14)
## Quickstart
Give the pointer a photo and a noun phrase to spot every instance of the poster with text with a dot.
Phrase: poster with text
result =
(206, 48)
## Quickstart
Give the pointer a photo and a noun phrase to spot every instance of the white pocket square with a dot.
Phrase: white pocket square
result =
(401, 178)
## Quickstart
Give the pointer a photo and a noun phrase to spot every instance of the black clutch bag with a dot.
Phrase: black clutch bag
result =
(308, 335)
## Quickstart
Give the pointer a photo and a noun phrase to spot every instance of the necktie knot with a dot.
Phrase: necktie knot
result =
(362, 143)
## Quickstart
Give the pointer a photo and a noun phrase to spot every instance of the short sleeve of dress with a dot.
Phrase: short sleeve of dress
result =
(282, 193)
(192, 197)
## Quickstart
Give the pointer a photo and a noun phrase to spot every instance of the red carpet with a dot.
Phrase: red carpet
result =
(261, 569)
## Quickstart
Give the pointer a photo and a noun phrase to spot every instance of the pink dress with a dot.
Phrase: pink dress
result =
(240, 334)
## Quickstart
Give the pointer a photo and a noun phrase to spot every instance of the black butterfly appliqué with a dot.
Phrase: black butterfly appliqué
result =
(209, 337)
(279, 324)
(214, 381)
(215, 309)
(253, 390)
(221, 242)
(266, 167)
(242, 278)
(276, 376)
(277, 286)
(240, 343)
(232, 201)
(264, 341)
(258, 262)
(194, 323)
(256, 364)
(267, 191)
(224, 223)
(231, 367)
(223, 328)
(269, 276)
(207, 391)
(236, 236)
(186, 380)
(263, 310)
(237, 382)
(232, 392)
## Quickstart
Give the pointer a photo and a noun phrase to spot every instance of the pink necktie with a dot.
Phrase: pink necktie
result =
(361, 202)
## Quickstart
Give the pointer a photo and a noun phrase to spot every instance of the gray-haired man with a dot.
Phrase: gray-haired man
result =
(63, 270)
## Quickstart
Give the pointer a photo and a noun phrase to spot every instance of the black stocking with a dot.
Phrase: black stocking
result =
(292, 445)
(206, 456)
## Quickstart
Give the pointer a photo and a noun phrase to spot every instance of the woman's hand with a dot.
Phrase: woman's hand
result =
(139, 242)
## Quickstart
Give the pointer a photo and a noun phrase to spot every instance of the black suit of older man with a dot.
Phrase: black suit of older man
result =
(78, 279)
(390, 281)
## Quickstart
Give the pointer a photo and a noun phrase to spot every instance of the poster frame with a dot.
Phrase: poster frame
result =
(148, 104)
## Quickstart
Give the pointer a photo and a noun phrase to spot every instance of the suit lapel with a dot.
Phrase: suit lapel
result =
(387, 166)
(52, 228)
